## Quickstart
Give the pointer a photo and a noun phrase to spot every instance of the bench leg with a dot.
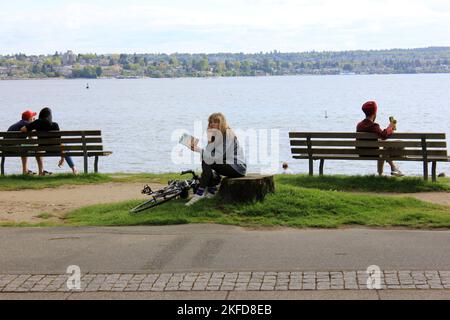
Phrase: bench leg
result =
(433, 171)
(425, 170)
(322, 163)
(96, 164)
(86, 165)
(3, 166)
(380, 167)
(311, 167)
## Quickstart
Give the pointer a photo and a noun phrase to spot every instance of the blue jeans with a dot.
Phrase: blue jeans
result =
(69, 161)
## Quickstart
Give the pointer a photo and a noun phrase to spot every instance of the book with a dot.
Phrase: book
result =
(189, 140)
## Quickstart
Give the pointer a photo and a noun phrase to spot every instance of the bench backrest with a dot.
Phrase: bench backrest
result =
(347, 144)
(75, 143)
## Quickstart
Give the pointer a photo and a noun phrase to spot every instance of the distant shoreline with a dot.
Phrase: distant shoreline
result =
(218, 77)
(69, 65)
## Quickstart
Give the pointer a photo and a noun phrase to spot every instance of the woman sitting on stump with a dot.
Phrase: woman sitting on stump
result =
(221, 157)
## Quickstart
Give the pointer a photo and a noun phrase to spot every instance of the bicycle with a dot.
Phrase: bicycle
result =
(175, 189)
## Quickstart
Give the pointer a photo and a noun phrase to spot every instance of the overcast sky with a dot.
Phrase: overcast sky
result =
(113, 26)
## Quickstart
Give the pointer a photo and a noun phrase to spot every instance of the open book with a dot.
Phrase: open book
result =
(189, 140)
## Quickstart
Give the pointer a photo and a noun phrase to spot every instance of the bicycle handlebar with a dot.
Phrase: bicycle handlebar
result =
(191, 172)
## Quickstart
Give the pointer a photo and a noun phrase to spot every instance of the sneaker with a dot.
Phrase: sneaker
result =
(211, 192)
(397, 173)
(195, 199)
(210, 195)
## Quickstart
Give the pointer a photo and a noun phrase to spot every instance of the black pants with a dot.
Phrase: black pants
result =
(211, 174)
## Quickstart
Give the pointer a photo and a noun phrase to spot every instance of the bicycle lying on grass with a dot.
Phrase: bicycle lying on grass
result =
(175, 189)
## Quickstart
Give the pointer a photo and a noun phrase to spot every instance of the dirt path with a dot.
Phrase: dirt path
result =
(434, 197)
(28, 205)
(442, 198)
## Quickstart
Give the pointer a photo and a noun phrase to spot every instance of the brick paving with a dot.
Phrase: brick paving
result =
(227, 281)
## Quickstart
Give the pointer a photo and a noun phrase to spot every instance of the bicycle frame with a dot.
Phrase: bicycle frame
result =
(175, 189)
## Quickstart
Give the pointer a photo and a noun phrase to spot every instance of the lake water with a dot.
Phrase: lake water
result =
(141, 119)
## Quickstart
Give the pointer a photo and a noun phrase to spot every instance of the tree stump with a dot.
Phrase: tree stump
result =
(253, 187)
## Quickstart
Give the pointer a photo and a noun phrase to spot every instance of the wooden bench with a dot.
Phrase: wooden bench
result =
(251, 188)
(422, 147)
(48, 144)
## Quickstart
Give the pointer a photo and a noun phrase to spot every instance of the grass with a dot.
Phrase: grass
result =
(20, 182)
(340, 183)
(300, 201)
(366, 183)
(290, 206)
(44, 215)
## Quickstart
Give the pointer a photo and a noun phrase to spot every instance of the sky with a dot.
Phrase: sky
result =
(210, 26)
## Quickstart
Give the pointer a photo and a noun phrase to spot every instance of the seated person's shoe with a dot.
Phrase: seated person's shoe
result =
(211, 192)
(210, 195)
(397, 173)
(195, 199)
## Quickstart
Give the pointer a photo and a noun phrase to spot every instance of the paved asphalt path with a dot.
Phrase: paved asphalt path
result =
(204, 248)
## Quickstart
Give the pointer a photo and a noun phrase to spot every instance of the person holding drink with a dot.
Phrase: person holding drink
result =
(370, 109)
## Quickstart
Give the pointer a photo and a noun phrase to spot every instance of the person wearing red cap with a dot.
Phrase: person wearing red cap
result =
(27, 117)
(45, 123)
(370, 109)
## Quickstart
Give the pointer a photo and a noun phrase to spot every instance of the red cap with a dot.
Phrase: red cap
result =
(27, 115)
(370, 108)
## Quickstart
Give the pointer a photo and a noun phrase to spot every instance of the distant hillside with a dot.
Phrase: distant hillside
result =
(69, 65)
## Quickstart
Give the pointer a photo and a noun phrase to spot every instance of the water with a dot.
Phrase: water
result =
(138, 117)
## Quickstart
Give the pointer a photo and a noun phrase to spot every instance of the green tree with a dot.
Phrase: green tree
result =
(36, 69)
(347, 67)
(123, 59)
(204, 64)
(88, 72)
(220, 67)
(246, 66)
(99, 71)
(174, 61)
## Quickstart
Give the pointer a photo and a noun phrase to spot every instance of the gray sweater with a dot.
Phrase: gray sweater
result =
(225, 151)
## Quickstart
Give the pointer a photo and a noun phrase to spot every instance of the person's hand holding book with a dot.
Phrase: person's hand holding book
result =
(195, 147)
(190, 142)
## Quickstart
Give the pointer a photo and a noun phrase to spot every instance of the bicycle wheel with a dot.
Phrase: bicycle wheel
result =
(156, 201)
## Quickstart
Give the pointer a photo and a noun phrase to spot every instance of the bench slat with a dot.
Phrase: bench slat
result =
(53, 155)
(354, 135)
(411, 152)
(51, 134)
(12, 142)
(48, 148)
(350, 157)
(360, 143)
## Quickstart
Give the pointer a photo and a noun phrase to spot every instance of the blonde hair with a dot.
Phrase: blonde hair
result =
(219, 118)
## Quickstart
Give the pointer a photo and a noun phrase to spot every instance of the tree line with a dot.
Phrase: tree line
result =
(422, 60)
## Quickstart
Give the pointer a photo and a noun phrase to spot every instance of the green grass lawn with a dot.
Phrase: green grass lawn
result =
(366, 183)
(291, 206)
(340, 183)
(20, 182)
(300, 201)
